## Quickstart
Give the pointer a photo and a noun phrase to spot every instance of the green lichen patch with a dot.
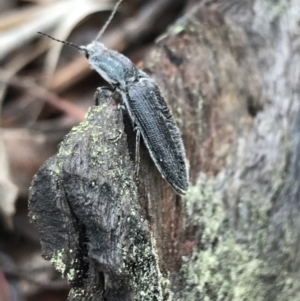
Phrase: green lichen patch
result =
(58, 261)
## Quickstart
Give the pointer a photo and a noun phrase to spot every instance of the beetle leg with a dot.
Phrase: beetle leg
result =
(137, 150)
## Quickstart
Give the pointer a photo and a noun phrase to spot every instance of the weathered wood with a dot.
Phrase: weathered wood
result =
(85, 205)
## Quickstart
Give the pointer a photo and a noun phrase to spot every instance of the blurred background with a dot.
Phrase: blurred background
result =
(46, 89)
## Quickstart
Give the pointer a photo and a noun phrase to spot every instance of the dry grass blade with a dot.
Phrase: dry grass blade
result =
(8, 191)
(21, 27)
(20, 62)
(37, 91)
(80, 12)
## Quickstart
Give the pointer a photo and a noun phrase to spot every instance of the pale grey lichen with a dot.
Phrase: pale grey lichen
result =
(224, 267)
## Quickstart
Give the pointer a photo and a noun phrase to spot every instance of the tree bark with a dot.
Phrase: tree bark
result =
(229, 72)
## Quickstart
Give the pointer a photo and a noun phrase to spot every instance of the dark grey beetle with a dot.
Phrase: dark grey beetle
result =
(146, 107)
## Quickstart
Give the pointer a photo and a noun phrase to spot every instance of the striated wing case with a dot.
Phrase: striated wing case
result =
(160, 133)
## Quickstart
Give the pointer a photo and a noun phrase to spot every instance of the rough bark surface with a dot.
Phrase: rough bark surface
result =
(229, 71)
(230, 74)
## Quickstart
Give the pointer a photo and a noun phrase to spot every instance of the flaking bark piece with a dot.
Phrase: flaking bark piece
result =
(84, 203)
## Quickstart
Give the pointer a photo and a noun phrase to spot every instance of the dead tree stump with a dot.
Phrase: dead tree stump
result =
(229, 71)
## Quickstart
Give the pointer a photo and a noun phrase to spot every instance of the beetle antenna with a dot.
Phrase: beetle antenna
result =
(108, 21)
(64, 42)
